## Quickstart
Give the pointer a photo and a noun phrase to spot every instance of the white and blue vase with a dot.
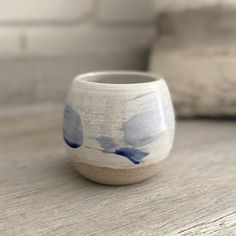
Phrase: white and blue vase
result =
(118, 126)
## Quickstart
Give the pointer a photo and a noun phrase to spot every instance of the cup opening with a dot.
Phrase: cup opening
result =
(121, 78)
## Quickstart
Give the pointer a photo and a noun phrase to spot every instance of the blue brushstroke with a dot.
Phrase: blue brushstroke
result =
(72, 127)
(109, 146)
(107, 143)
(141, 95)
(71, 144)
(132, 154)
(140, 130)
(143, 128)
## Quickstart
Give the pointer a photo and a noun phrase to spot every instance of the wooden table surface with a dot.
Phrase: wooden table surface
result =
(194, 193)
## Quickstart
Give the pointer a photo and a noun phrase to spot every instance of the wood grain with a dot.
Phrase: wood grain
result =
(194, 192)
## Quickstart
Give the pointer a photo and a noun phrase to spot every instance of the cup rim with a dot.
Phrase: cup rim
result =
(152, 79)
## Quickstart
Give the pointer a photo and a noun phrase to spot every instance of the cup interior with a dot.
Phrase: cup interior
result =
(119, 78)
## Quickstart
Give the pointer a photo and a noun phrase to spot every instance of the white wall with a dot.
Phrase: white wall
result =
(45, 27)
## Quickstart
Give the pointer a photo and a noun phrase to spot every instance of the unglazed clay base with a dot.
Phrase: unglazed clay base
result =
(110, 176)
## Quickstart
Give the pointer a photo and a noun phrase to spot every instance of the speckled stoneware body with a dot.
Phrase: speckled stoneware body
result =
(118, 126)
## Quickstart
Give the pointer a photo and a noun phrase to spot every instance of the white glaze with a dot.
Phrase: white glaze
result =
(118, 118)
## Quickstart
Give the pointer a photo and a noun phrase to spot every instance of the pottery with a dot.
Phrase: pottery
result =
(118, 125)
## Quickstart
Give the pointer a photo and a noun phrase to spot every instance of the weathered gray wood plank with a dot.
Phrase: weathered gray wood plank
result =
(41, 193)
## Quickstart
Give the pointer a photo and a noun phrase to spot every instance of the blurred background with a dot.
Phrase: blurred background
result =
(45, 44)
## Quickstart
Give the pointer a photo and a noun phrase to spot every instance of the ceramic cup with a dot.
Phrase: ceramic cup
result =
(118, 126)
